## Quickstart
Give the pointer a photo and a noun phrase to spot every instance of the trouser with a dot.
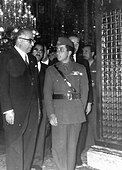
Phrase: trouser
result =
(87, 134)
(91, 134)
(85, 140)
(20, 151)
(81, 142)
(92, 119)
(43, 145)
(14, 155)
(64, 142)
(39, 152)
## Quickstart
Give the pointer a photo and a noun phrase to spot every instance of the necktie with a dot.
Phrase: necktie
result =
(26, 59)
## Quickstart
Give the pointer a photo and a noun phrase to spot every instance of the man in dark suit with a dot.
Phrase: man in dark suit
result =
(43, 146)
(77, 57)
(89, 55)
(19, 101)
(38, 52)
(65, 97)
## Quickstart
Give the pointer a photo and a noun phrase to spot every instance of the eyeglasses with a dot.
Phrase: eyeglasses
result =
(61, 49)
(29, 40)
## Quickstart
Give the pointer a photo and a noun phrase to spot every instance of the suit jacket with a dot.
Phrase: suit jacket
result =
(41, 75)
(18, 88)
(81, 60)
(66, 111)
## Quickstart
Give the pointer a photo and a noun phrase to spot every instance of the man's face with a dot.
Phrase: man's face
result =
(38, 52)
(62, 53)
(26, 41)
(87, 52)
(75, 41)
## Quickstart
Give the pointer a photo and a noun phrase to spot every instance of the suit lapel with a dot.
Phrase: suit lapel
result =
(19, 62)
(18, 56)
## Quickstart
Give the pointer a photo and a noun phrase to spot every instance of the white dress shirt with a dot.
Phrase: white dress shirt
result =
(74, 57)
(22, 53)
(39, 66)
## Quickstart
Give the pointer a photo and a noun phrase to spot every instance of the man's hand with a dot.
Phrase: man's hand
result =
(53, 120)
(9, 116)
(88, 108)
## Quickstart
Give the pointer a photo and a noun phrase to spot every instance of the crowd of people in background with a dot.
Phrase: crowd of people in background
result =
(48, 101)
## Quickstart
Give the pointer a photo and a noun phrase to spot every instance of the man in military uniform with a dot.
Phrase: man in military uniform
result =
(65, 95)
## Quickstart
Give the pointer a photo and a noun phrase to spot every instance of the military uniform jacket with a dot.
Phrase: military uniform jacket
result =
(66, 111)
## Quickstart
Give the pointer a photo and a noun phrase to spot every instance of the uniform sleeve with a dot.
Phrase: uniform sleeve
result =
(84, 87)
(48, 92)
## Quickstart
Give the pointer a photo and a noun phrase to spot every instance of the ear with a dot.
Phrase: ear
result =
(93, 54)
(70, 52)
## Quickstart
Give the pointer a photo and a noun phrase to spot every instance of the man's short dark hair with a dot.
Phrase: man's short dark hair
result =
(91, 47)
(69, 48)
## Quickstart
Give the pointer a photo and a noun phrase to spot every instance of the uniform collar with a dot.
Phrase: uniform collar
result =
(65, 67)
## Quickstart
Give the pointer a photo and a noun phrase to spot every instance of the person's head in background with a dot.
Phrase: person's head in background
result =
(52, 52)
(38, 51)
(88, 52)
(76, 42)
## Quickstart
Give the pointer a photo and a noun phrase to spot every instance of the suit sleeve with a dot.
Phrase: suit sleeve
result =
(48, 93)
(4, 85)
(90, 93)
(84, 87)
(86, 64)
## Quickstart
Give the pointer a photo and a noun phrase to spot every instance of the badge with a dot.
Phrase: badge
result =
(75, 73)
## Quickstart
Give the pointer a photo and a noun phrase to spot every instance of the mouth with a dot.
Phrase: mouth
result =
(37, 55)
(58, 56)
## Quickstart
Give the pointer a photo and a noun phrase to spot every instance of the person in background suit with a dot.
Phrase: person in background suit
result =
(43, 147)
(89, 55)
(52, 55)
(38, 52)
(77, 57)
(19, 101)
(65, 104)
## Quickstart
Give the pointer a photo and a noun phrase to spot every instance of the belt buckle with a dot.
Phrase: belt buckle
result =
(69, 96)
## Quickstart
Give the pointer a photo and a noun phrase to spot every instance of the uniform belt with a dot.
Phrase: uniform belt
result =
(68, 96)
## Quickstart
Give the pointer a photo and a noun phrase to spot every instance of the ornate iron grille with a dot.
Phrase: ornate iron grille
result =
(111, 71)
